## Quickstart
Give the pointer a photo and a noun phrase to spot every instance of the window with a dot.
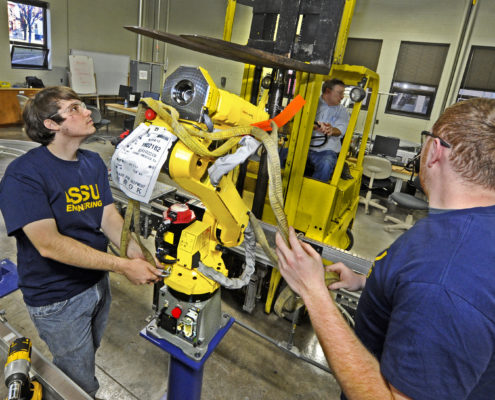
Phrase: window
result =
(479, 76)
(365, 52)
(28, 34)
(416, 78)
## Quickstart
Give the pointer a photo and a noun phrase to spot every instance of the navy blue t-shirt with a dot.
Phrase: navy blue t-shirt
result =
(427, 311)
(37, 186)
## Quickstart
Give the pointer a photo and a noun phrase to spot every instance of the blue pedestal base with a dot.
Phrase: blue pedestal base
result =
(8, 277)
(185, 376)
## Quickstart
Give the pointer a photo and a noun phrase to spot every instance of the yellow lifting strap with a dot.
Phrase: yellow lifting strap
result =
(289, 301)
(231, 136)
(132, 213)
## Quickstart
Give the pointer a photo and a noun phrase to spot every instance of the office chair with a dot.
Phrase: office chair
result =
(408, 202)
(98, 122)
(378, 170)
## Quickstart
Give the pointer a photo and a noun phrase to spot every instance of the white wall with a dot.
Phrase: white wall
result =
(98, 25)
(210, 23)
(199, 18)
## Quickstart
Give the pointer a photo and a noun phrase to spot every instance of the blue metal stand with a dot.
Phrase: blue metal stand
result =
(8, 277)
(185, 375)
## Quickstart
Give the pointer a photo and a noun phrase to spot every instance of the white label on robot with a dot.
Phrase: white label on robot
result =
(137, 161)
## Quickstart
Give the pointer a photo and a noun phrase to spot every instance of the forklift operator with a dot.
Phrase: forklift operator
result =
(425, 323)
(330, 126)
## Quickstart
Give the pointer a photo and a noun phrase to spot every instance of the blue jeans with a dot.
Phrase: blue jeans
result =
(324, 163)
(73, 329)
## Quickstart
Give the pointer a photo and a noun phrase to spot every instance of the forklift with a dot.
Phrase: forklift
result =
(293, 47)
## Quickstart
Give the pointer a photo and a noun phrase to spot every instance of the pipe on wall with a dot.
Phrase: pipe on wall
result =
(165, 50)
(155, 51)
(140, 23)
(456, 72)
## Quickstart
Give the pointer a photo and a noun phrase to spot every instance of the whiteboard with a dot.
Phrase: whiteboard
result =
(82, 75)
(112, 70)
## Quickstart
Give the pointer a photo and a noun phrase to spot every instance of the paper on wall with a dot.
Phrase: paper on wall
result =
(137, 161)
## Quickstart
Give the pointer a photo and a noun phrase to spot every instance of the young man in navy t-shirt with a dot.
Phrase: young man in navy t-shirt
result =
(425, 323)
(56, 201)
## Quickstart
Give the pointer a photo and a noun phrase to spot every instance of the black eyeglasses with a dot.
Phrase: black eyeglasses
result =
(442, 142)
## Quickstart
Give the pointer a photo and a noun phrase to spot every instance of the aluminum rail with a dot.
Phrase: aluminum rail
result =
(353, 261)
(294, 351)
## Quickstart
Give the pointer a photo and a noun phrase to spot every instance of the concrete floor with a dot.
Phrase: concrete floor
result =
(243, 367)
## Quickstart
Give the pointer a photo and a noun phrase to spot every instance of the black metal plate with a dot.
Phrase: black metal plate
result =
(231, 51)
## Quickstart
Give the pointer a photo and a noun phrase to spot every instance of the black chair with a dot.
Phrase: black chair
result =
(408, 202)
(98, 122)
(34, 82)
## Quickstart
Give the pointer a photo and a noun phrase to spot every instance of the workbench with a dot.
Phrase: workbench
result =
(10, 110)
(121, 109)
(399, 174)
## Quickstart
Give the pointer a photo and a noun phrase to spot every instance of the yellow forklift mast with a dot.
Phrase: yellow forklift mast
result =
(323, 211)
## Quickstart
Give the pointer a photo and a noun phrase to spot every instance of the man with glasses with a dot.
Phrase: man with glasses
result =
(329, 128)
(56, 201)
(425, 323)
(331, 123)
